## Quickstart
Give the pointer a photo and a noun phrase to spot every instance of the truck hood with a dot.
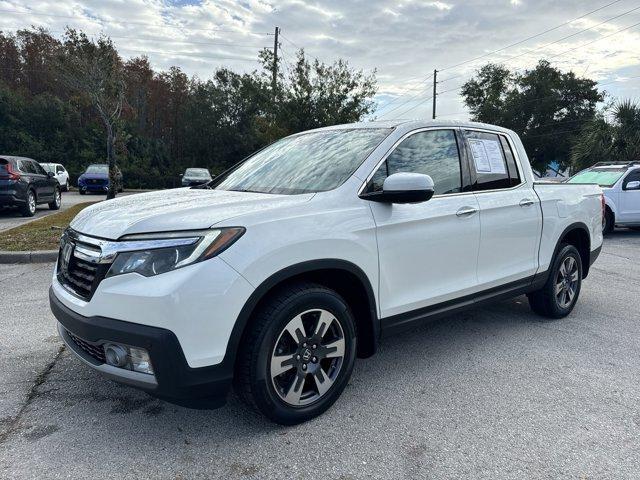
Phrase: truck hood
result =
(173, 210)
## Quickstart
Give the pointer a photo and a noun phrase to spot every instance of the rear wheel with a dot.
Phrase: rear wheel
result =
(57, 200)
(560, 293)
(29, 208)
(299, 354)
(82, 192)
(66, 186)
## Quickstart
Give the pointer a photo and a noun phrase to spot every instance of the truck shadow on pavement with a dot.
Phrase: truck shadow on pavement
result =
(424, 353)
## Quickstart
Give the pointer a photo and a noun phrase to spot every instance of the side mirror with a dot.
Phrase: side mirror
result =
(403, 188)
(634, 185)
(51, 174)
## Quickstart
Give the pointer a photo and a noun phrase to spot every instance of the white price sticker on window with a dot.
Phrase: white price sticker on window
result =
(487, 156)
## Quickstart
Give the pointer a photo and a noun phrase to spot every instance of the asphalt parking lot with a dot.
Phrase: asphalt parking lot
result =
(493, 393)
(10, 218)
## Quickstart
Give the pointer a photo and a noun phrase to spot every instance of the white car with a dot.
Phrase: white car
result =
(279, 272)
(620, 182)
(59, 172)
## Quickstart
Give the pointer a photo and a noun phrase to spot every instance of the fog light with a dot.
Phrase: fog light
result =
(115, 355)
(131, 358)
(140, 361)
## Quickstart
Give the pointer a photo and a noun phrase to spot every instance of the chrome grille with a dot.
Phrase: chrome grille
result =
(79, 276)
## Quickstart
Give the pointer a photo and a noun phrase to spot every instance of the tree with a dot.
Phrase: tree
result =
(94, 69)
(545, 106)
(615, 140)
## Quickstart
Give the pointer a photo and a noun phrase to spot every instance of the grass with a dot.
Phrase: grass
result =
(41, 234)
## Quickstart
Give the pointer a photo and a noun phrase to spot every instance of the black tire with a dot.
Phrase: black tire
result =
(609, 222)
(29, 208)
(57, 200)
(82, 192)
(545, 301)
(66, 187)
(253, 379)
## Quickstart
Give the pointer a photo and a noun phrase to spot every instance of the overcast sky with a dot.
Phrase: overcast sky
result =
(404, 40)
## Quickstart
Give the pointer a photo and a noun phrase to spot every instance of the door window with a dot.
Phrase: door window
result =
(59, 169)
(432, 152)
(633, 176)
(493, 164)
(38, 168)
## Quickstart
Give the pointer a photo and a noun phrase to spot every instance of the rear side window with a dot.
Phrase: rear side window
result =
(59, 169)
(433, 152)
(493, 164)
(25, 166)
(633, 176)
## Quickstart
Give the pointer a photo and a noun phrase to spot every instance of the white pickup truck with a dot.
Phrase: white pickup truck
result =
(277, 274)
(620, 182)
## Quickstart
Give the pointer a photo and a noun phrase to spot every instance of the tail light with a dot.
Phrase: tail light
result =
(9, 173)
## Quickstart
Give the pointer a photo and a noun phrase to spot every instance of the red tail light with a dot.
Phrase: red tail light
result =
(9, 173)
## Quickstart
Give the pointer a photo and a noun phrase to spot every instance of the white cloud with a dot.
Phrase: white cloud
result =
(403, 39)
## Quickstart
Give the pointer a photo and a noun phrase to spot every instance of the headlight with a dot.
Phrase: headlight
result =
(152, 254)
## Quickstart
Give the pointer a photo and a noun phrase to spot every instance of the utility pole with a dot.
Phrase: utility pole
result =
(435, 78)
(275, 61)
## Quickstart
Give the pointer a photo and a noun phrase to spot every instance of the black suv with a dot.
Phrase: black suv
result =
(24, 184)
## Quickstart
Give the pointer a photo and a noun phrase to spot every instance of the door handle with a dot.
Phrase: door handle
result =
(466, 211)
(525, 202)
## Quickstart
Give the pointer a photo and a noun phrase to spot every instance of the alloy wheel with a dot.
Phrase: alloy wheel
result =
(58, 199)
(566, 282)
(32, 202)
(307, 357)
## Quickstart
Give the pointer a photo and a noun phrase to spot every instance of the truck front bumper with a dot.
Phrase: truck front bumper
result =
(172, 379)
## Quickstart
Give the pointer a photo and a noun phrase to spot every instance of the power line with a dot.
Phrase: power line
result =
(568, 50)
(531, 37)
(147, 24)
(521, 41)
(555, 41)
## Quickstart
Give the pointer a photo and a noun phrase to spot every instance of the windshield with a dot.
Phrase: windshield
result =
(604, 177)
(97, 169)
(310, 162)
(196, 172)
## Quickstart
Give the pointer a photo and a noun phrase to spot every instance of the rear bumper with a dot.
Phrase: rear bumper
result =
(173, 379)
(11, 198)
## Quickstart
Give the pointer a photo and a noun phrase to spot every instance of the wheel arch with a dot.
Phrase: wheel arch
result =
(343, 276)
(577, 234)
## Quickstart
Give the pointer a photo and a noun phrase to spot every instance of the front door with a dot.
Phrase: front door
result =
(427, 251)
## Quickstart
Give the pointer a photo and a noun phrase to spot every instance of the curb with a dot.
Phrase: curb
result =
(37, 256)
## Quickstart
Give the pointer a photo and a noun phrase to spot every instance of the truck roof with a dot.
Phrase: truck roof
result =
(418, 123)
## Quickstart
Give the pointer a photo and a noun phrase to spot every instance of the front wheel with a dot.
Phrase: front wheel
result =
(299, 354)
(560, 293)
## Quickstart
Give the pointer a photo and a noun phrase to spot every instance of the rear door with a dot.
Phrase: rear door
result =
(510, 214)
(629, 200)
(427, 251)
